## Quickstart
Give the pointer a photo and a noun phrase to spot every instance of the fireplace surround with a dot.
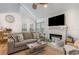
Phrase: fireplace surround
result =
(57, 33)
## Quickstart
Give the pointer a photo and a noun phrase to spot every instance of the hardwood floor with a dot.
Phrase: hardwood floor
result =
(52, 51)
(3, 49)
(48, 51)
(3, 41)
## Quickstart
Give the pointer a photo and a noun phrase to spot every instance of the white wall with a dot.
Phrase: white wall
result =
(15, 26)
(21, 15)
(10, 9)
(28, 21)
(27, 18)
(72, 21)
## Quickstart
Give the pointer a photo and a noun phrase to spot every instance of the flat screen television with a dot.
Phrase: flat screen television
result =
(56, 20)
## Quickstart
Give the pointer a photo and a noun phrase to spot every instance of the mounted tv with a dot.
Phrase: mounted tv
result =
(56, 20)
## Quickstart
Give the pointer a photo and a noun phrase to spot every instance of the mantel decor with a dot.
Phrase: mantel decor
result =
(9, 18)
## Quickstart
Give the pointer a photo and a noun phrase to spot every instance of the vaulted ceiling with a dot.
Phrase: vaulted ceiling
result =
(52, 9)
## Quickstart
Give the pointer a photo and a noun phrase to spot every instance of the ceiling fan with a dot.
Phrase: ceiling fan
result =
(38, 5)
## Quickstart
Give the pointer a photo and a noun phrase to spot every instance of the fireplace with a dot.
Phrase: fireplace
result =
(55, 37)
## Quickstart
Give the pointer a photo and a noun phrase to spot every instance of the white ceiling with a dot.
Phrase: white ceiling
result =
(9, 7)
(52, 9)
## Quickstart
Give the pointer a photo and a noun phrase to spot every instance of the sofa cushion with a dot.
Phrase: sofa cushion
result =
(36, 35)
(18, 44)
(27, 35)
(31, 40)
(24, 42)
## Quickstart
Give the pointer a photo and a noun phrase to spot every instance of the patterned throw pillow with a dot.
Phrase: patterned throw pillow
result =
(20, 37)
(17, 37)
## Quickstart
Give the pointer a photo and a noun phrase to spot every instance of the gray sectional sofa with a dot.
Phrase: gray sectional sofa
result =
(19, 41)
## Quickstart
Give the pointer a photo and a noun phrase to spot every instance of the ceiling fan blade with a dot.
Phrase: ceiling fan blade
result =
(34, 6)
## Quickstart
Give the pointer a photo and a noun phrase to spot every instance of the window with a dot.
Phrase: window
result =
(40, 27)
(24, 27)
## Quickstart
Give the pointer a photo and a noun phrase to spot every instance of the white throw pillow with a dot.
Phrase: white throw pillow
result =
(20, 37)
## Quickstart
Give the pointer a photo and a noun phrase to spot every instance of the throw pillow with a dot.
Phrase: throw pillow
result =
(15, 37)
(36, 35)
(20, 37)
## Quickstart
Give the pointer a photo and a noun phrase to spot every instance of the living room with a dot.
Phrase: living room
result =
(34, 23)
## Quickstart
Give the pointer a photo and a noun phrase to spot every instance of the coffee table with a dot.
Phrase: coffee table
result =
(37, 50)
(43, 49)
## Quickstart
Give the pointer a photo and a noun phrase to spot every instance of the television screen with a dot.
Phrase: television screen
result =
(56, 21)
